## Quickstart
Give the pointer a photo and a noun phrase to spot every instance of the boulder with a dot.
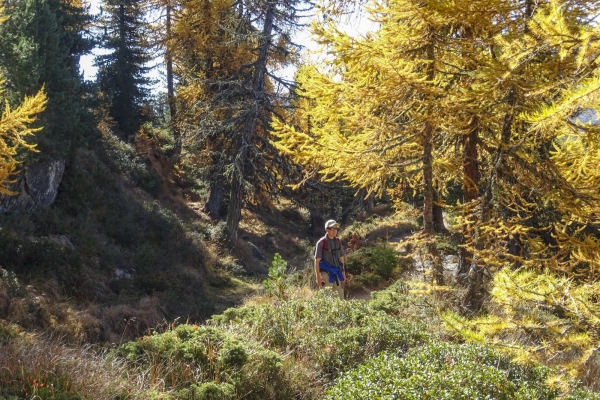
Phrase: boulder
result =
(37, 186)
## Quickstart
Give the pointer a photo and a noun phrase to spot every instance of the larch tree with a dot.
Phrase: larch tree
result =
(324, 199)
(463, 82)
(536, 214)
(377, 112)
(231, 89)
(15, 124)
(41, 43)
(537, 52)
(208, 57)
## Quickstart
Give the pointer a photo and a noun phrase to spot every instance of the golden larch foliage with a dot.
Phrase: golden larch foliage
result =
(15, 125)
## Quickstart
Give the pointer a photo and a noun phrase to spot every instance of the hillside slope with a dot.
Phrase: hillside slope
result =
(122, 250)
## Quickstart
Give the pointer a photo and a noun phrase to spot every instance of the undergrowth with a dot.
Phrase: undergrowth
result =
(311, 346)
(34, 367)
(449, 371)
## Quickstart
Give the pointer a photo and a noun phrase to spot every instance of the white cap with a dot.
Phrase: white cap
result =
(331, 223)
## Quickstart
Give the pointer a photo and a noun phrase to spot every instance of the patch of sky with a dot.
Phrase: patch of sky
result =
(588, 116)
(355, 24)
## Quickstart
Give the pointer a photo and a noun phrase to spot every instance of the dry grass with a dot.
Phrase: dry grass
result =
(33, 366)
(4, 299)
(381, 227)
(302, 292)
(127, 322)
(42, 308)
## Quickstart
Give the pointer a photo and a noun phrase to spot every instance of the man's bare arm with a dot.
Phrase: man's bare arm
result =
(318, 272)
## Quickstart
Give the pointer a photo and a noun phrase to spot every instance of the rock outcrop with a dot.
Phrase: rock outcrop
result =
(35, 187)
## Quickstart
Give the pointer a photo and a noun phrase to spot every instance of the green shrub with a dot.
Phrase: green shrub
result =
(334, 335)
(367, 279)
(392, 299)
(7, 332)
(213, 391)
(382, 260)
(447, 371)
(203, 362)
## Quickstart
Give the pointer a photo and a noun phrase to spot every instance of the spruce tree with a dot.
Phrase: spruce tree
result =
(121, 73)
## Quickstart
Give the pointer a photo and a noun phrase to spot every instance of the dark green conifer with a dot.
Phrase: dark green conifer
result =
(122, 72)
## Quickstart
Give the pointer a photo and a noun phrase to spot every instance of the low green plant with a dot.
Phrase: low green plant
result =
(364, 280)
(391, 300)
(449, 371)
(329, 334)
(7, 332)
(204, 362)
(213, 391)
(276, 284)
(380, 259)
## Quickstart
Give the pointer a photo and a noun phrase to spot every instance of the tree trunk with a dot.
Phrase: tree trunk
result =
(428, 191)
(473, 299)
(475, 295)
(438, 219)
(258, 87)
(215, 199)
(515, 248)
(470, 192)
(170, 86)
(332, 209)
(428, 225)
(317, 222)
(234, 211)
(370, 203)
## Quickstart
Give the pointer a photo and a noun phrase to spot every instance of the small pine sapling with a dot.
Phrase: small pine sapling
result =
(276, 284)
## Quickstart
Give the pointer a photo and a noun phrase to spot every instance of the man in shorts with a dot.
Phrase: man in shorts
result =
(329, 260)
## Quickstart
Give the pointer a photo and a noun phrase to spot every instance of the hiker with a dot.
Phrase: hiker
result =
(329, 260)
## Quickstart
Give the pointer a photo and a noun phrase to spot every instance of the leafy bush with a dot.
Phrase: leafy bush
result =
(202, 362)
(448, 371)
(213, 391)
(392, 299)
(331, 334)
(123, 158)
(364, 280)
(382, 260)
(218, 233)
